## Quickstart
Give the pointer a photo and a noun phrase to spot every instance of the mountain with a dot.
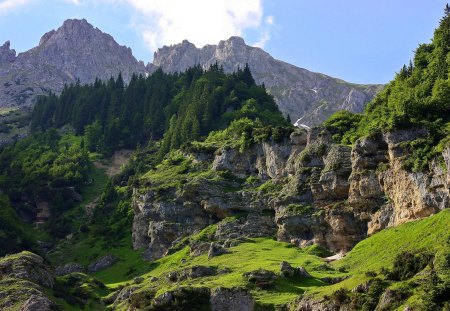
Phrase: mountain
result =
(247, 218)
(77, 50)
(74, 51)
(308, 96)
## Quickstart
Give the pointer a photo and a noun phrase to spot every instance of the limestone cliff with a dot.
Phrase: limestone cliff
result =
(303, 189)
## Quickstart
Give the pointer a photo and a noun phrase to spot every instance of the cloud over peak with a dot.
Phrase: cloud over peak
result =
(164, 22)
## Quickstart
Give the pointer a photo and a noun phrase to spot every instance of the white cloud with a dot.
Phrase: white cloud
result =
(270, 20)
(165, 22)
(7, 5)
(265, 33)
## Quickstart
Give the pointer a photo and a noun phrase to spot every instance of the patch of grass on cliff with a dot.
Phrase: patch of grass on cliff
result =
(260, 253)
(377, 254)
(173, 172)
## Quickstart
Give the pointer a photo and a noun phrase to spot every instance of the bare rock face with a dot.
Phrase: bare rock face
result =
(310, 97)
(23, 277)
(69, 268)
(224, 299)
(102, 263)
(317, 192)
(27, 266)
(383, 189)
(158, 224)
(38, 303)
(74, 51)
(7, 55)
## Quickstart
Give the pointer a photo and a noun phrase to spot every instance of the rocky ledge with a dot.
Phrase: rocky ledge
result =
(303, 189)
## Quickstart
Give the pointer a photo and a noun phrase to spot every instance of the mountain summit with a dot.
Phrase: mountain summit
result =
(74, 51)
(308, 96)
(78, 51)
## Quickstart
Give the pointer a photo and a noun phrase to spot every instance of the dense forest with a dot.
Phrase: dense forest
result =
(154, 114)
(176, 107)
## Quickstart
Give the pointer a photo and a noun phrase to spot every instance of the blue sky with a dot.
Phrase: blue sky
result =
(359, 41)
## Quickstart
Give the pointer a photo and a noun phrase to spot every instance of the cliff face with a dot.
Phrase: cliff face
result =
(74, 51)
(308, 96)
(303, 189)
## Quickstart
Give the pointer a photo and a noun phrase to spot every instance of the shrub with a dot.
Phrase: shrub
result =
(407, 264)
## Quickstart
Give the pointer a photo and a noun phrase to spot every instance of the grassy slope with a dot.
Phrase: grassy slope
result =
(262, 253)
(379, 251)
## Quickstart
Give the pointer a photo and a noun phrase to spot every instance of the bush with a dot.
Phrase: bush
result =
(407, 264)
(340, 297)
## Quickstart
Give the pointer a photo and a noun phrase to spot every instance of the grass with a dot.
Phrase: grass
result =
(380, 250)
(7, 110)
(87, 248)
(260, 253)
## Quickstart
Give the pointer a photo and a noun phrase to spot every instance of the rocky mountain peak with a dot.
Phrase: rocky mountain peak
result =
(46, 36)
(6, 54)
(76, 50)
(299, 93)
(233, 41)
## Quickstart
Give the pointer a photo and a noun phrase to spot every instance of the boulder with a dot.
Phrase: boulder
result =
(38, 303)
(227, 299)
(102, 263)
(261, 278)
(27, 266)
(286, 270)
(300, 271)
(69, 268)
(216, 249)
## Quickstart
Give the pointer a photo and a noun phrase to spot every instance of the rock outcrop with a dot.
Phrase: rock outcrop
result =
(23, 278)
(303, 189)
(308, 96)
(224, 299)
(7, 55)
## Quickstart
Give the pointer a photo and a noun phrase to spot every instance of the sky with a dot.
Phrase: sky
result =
(360, 41)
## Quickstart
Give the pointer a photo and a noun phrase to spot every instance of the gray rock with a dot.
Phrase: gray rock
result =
(69, 268)
(124, 294)
(173, 276)
(334, 280)
(163, 299)
(193, 272)
(102, 263)
(27, 266)
(216, 249)
(261, 278)
(227, 299)
(76, 50)
(138, 280)
(286, 269)
(300, 271)
(199, 248)
(38, 303)
(6, 54)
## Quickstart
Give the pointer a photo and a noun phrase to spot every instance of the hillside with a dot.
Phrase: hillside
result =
(224, 205)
